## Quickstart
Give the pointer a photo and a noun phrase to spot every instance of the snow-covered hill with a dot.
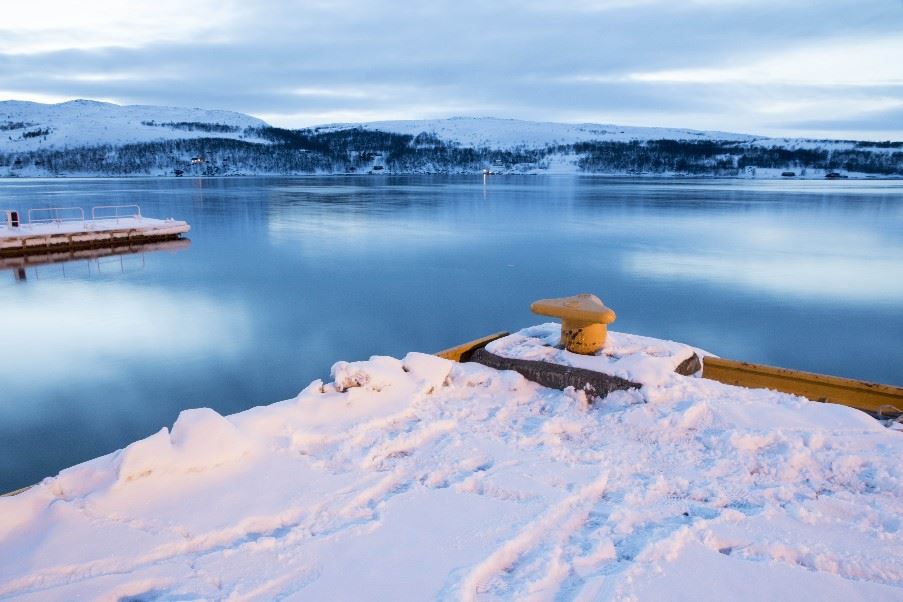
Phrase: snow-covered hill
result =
(27, 126)
(490, 132)
(31, 126)
(89, 138)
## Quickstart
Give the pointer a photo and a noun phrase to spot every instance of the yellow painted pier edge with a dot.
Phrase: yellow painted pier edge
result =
(461, 353)
(882, 400)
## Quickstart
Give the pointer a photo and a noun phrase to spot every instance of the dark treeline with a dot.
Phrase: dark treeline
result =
(192, 126)
(884, 144)
(727, 158)
(356, 150)
(14, 125)
(36, 133)
(222, 156)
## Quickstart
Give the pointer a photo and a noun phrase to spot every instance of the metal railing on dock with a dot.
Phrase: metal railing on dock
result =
(57, 215)
(116, 212)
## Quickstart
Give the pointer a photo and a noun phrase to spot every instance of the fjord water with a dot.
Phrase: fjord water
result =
(285, 276)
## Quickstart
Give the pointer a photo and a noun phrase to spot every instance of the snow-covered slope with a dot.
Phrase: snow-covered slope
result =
(88, 123)
(421, 479)
(509, 133)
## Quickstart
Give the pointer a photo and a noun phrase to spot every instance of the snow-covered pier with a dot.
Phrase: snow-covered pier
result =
(67, 228)
(442, 479)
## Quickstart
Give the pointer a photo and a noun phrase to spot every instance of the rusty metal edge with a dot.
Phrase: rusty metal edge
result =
(17, 491)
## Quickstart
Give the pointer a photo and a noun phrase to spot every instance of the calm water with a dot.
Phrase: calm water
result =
(285, 276)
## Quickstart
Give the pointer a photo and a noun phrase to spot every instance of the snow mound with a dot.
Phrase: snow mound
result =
(421, 478)
(200, 440)
(378, 373)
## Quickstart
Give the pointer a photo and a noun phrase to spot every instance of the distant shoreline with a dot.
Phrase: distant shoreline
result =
(476, 176)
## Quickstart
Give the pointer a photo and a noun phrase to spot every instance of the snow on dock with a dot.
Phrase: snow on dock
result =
(420, 478)
(52, 229)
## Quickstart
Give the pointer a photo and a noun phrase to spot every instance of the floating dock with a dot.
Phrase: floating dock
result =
(66, 229)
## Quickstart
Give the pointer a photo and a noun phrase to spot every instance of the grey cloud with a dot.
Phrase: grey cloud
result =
(871, 121)
(511, 58)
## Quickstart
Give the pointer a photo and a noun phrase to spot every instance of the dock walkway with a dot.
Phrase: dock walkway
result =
(50, 230)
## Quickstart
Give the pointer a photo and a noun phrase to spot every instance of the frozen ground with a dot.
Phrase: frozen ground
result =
(420, 478)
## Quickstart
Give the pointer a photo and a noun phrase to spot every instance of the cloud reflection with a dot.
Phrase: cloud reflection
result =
(832, 262)
(829, 279)
(71, 332)
(371, 220)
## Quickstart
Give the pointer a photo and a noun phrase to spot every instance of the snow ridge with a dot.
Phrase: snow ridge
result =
(80, 123)
(497, 133)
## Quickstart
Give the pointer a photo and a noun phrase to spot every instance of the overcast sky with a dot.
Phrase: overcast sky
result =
(829, 68)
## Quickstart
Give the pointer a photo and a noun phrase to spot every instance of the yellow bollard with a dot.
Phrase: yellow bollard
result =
(584, 321)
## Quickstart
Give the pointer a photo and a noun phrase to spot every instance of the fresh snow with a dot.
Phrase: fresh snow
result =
(496, 133)
(421, 478)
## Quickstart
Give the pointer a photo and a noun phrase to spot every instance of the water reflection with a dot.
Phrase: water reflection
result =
(82, 262)
(284, 276)
(826, 261)
(818, 279)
